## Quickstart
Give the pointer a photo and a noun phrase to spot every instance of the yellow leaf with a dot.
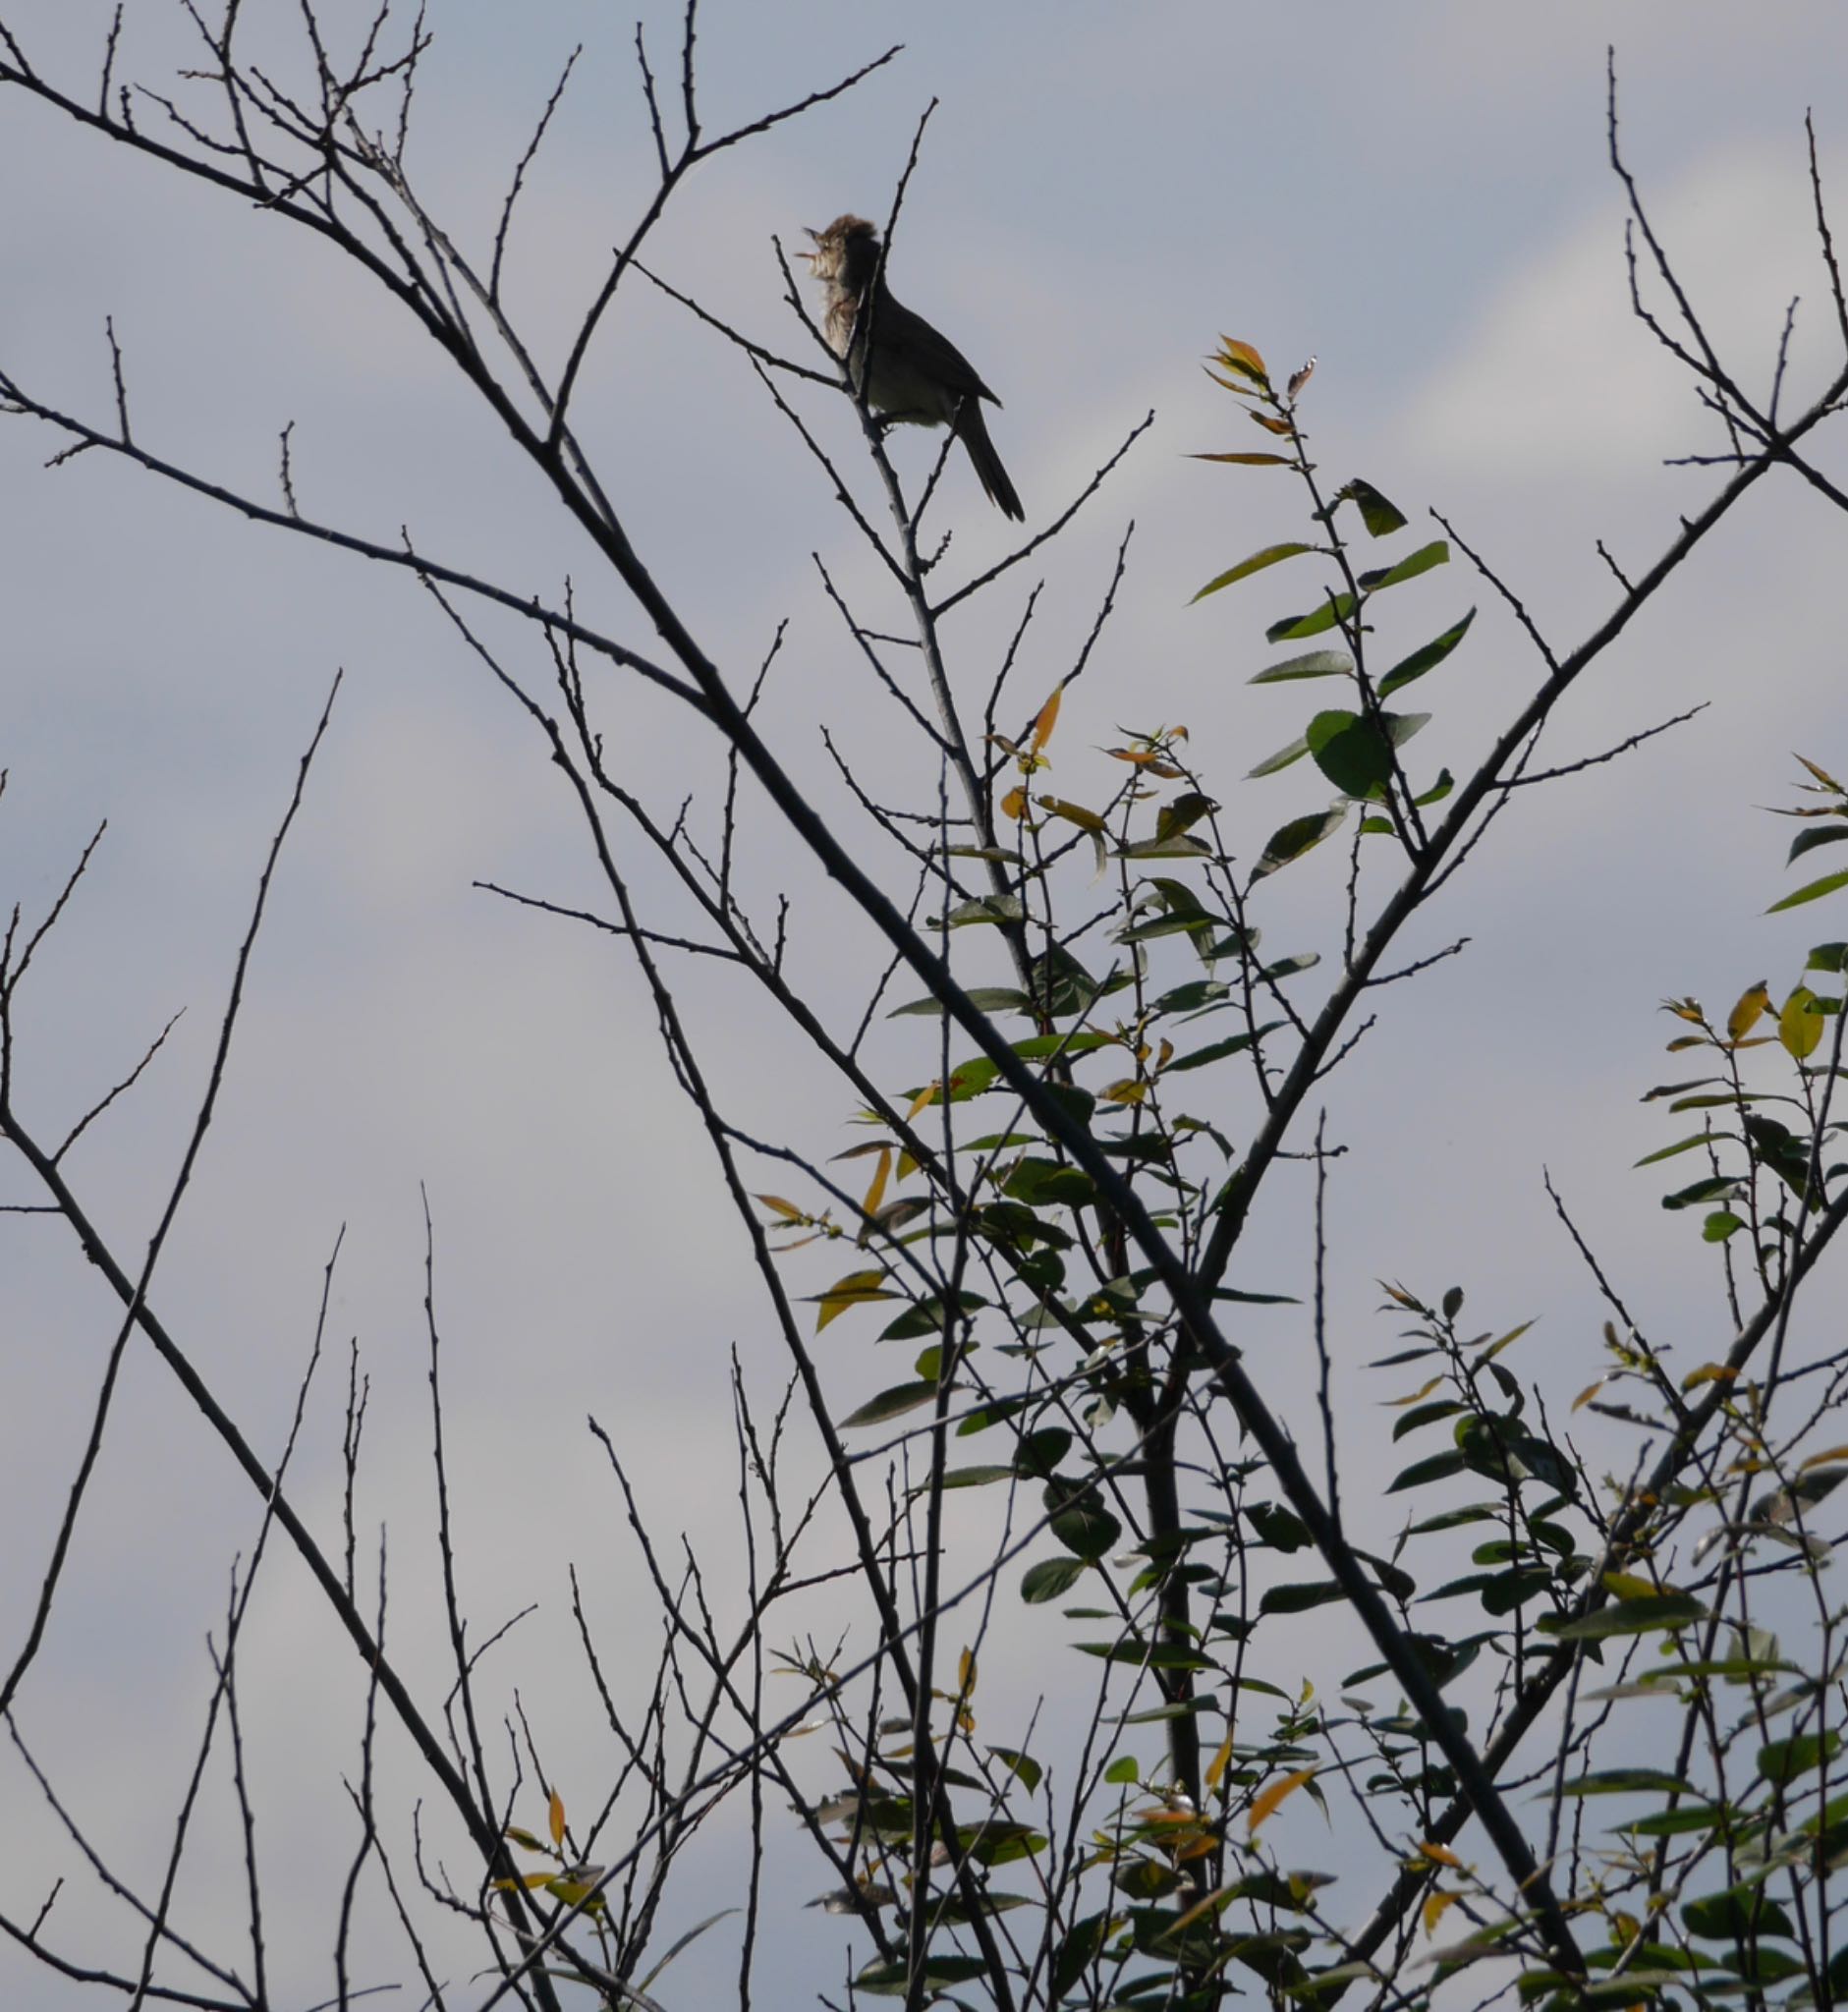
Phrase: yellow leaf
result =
(1048, 718)
(576, 1885)
(1265, 1804)
(1423, 1391)
(556, 1817)
(1800, 1025)
(1745, 1016)
(966, 1674)
(923, 1101)
(880, 1175)
(1014, 803)
(1442, 1853)
(525, 1839)
(855, 1290)
(787, 1209)
(1216, 1771)
(1628, 1586)
(1127, 1091)
(1073, 813)
(1239, 355)
(1709, 1373)
(1590, 1391)
(1831, 1454)
(1437, 1903)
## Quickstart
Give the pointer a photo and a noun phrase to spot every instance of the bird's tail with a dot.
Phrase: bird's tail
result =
(972, 431)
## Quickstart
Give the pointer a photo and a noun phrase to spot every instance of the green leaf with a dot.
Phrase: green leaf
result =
(1081, 1523)
(1380, 518)
(1355, 754)
(1318, 663)
(1083, 1940)
(1439, 1467)
(1676, 1823)
(1022, 1764)
(924, 1319)
(1686, 1144)
(1039, 1453)
(1297, 1600)
(1424, 659)
(1736, 1915)
(984, 999)
(1722, 1224)
(1123, 1772)
(975, 1477)
(892, 1404)
(1782, 1761)
(1426, 1415)
(1233, 1044)
(1628, 1781)
(1296, 627)
(987, 908)
(893, 1980)
(1829, 883)
(1282, 759)
(1709, 1190)
(1049, 1579)
(1816, 835)
(1629, 1617)
(1829, 957)
(1257, 563)
(1292, 840)
(1279, 1529)
(1436, 553)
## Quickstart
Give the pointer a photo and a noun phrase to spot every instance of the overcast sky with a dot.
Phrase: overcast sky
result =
(1418, 196)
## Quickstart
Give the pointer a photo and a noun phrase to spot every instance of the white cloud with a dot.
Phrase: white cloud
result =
(1558, 377)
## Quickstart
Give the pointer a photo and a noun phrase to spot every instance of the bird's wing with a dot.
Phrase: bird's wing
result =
(935, 354)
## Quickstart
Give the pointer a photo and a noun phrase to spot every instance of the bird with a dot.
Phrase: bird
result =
(916, 377)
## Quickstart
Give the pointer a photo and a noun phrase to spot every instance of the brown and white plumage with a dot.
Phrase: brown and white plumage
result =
(908, 373)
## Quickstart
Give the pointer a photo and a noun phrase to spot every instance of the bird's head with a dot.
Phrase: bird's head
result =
(846, 253)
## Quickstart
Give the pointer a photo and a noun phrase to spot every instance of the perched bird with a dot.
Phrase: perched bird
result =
(917, 377)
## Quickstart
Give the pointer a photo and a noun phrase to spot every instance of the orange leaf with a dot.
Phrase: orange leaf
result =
(1831, 1454)
(1265, 1804)
(1014, 803)
(1442, 1853)
(556, 1816)
(1048, 720)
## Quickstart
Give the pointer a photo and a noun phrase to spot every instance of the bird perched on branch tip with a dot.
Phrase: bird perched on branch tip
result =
(906, 371)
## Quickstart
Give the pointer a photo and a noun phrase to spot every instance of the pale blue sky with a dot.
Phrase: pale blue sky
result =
(1418, 194)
